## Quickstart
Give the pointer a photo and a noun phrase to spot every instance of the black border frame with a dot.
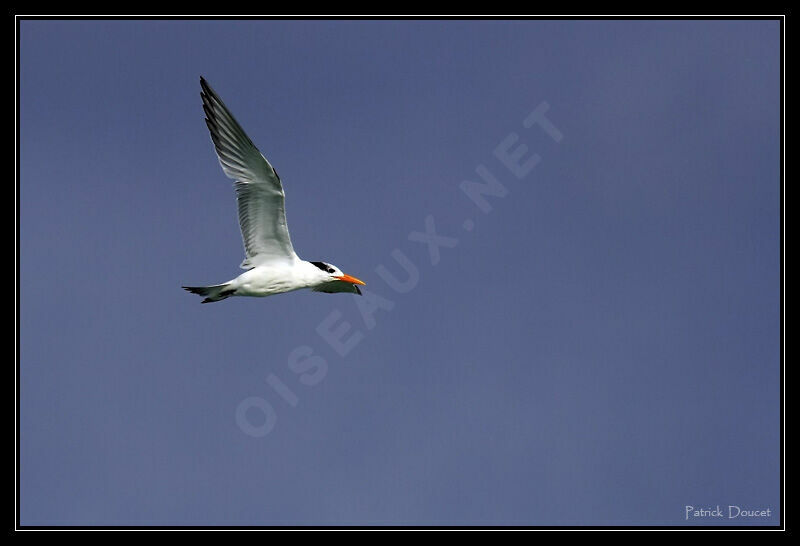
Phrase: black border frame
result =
(18, 527)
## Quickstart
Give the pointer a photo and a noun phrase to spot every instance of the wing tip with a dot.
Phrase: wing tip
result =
(206, 92)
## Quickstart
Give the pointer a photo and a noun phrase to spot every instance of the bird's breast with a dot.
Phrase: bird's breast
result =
(264, 281)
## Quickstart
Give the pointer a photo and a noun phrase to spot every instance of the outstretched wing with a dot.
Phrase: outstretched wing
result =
(262, 215)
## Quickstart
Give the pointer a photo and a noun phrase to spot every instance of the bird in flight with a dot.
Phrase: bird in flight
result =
(270, 260)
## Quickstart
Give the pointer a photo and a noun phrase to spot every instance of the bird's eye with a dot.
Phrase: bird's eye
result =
(330, 270)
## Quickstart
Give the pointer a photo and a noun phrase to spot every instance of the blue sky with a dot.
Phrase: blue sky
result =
(600, 347)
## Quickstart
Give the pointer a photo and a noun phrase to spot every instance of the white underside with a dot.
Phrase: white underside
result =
(276, 278)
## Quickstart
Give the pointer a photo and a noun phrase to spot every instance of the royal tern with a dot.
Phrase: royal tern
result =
(272, 265)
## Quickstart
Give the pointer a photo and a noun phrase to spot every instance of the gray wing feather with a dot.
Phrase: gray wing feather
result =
(259, 193)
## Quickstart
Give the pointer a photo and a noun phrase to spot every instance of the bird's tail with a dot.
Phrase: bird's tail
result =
(214, 293)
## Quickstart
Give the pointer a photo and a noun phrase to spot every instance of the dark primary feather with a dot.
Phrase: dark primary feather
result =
(259, 192)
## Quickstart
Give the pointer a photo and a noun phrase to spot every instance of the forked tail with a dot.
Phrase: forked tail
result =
(214, 293)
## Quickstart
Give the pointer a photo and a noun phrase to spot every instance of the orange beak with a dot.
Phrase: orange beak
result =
(348, 278)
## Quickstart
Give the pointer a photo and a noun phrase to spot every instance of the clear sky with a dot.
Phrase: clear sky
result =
(592, 340)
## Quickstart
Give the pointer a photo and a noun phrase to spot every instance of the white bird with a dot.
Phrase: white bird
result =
(271, 263)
